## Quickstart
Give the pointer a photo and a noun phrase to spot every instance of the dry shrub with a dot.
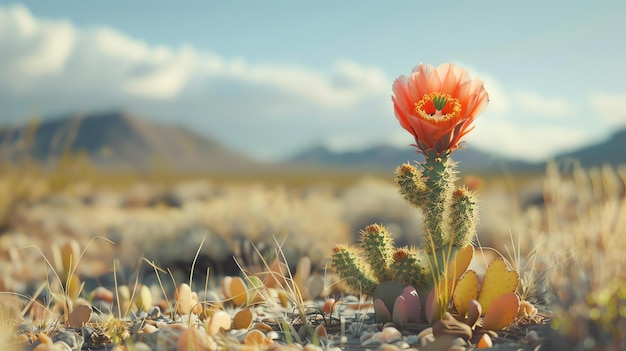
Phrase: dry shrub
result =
(581, 234)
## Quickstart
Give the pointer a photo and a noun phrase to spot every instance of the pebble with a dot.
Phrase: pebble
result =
(154, 312)
(141, 346)
(102, 307)
(485, 342)
(412, 340)
(79, 316)
(479, 332)
(102, 294)
(425, 336)
(167, 337)
(445, 342)
(532, 338)
(388, 347)
(387, 335)
(71, 339)
(452, 327)
(311, 347)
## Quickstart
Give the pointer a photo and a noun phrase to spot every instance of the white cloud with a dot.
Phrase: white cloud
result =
(34, 47)
(31, 49)
(166, 80)
(56, 67)
(610, 107)
(526, 141)
(537, 104)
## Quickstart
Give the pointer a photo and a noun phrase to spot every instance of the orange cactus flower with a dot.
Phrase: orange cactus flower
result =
(438, 105)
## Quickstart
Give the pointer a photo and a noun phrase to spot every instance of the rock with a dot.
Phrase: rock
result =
(452, 327)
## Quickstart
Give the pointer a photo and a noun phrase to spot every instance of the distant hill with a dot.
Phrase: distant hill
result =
(389, 157)
(611, 151)
(121, 140)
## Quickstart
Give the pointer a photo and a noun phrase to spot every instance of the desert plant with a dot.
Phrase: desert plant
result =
(437, 106)
(584, 220)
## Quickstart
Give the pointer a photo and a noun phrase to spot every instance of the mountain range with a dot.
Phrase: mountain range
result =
(123, 140)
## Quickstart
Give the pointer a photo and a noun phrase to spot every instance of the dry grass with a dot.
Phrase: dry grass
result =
(568, 248)
(580, 237)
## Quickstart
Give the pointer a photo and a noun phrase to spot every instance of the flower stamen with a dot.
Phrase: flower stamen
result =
(438, 107)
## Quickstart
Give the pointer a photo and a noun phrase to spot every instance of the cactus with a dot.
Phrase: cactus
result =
(376, 260)
(450, 216)
(464, 215)
(348, 264)
(438, 107)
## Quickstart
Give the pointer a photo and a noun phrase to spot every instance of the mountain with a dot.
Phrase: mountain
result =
(121, 140)
(389, 157)
(611, 151)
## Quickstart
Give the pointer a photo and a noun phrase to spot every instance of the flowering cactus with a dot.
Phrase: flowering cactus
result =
(438, 107)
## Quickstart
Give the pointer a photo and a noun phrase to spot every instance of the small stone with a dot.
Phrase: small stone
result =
(183, 299)
(73, 340)
(388, 347)
(390, 335)
(390, 325)
(366, 336)
(320, 330)
(485, 342)
(452, 327)
(444, 342)
(79, 316)
(154, 312)
(427, 339)
(102, 307)
(412, 340)
(243, 319)
(103, 294)
(141, 346)
(532, 337)
(329, 306)
(196, 339)
(219, 320)
(311, 347)
(143, 299)
(147, 329)
(479, 332)
(402, 345)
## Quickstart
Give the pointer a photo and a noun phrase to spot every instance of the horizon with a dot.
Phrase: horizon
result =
(65, 118)
(240, 78)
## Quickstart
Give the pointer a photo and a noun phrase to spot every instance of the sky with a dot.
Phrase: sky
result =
(272, 78)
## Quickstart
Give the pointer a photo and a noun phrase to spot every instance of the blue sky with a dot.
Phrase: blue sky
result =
(271, 78)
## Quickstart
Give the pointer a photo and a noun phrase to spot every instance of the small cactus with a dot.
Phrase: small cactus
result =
(350, 267)
(408, 269)
(378, 246)
(377, 260)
